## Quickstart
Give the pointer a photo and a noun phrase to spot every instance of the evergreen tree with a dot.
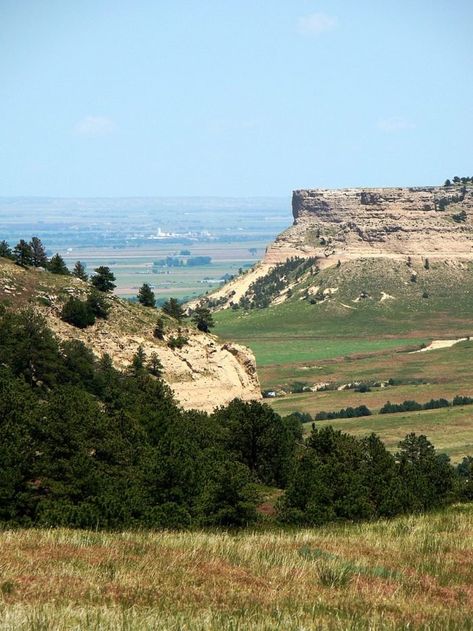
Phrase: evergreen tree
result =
(259, 438)
(172, 308)
(146, 296)
(159, 329)
(98, 305)
(29, 348)
(57, 265)
(427, 477)
(155, 366)
(23, 254)
(39, 257)
(5, 250)
(103, 279)
(79, 271)
(203, 319)
(138, 362)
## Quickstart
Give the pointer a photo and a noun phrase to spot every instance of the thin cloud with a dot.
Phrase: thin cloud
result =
(316, 23)
(93, 126)
(394, 124)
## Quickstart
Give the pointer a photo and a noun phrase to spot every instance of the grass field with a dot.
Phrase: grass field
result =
(410, 573)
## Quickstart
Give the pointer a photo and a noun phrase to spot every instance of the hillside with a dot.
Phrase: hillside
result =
(204, 373)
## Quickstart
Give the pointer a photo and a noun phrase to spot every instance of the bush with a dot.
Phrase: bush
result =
(98, 305)
(77, 313)
(177, 342)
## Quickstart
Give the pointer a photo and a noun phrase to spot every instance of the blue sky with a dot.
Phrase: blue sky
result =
(232, 97)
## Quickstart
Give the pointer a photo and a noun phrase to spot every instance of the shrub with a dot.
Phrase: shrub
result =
(77, 313)
(177, 342)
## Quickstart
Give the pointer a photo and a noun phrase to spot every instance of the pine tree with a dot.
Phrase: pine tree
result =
(159, 329)
(57, 265)
(38, 252)
(203, 319)
(155, 366)
(98, 305)
(79, 271)
(172, 308)
(23, 254)
(137, 366)
(146, 296)
(103, 280)
(5, 250)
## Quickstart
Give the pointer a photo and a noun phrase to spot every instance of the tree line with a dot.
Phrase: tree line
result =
(394, 408)
(86, 445)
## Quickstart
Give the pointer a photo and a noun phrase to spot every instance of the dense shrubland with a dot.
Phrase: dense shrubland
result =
(86, 445)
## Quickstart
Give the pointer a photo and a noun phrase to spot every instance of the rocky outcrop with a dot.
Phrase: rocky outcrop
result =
(203, 374)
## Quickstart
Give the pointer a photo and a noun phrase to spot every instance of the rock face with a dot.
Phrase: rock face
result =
(204, 374)
(434, 222)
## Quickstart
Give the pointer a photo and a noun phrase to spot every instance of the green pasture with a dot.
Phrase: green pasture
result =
(449, 429)
(269, 351)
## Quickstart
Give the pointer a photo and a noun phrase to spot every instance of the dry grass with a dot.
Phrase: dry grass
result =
(413, 572)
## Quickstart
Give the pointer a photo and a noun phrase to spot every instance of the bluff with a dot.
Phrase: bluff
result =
(347, 225)
(434, 222)
(203, 374)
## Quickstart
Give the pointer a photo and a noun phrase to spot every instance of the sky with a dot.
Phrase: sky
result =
(232, 97)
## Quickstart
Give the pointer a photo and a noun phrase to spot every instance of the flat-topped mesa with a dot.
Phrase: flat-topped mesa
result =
(431, 221)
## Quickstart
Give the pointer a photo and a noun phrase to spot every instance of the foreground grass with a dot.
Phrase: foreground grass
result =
(412, 572)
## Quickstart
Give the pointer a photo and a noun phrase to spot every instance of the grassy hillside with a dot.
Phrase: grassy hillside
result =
(358, 323)
(412, 572)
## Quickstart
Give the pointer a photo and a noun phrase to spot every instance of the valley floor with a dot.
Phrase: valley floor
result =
(412, 572)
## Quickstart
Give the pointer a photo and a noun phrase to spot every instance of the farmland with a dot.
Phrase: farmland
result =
(130, 234)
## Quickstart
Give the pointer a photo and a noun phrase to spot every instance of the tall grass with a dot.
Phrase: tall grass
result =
(409, 573)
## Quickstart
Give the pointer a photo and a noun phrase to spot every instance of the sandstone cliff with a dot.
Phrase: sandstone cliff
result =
(351, 224)
(203, 374)
(434, 222)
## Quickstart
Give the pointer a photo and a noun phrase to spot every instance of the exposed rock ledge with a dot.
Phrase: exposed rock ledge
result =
(348, 224)
(433, 222)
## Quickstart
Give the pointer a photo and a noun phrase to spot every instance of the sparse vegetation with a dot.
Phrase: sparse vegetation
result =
(263, 290)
